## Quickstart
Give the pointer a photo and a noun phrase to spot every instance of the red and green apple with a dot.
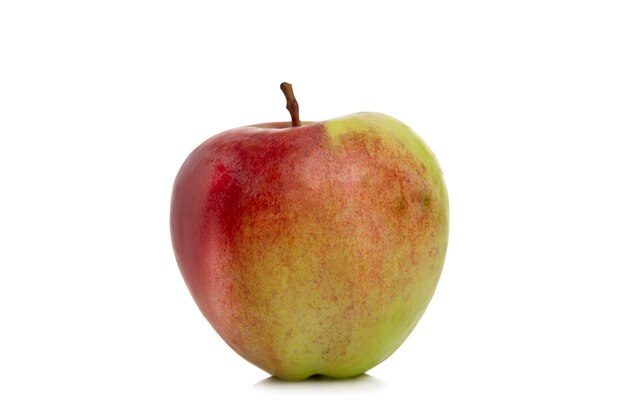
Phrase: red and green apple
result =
(314, 247)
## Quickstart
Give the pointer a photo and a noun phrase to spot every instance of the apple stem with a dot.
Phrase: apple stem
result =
(292, 104)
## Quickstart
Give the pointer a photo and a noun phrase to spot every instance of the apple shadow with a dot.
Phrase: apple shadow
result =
(363, 382)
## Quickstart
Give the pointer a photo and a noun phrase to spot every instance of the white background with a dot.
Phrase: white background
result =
(524, 104)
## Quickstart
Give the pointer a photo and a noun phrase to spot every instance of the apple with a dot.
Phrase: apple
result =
(312, 248)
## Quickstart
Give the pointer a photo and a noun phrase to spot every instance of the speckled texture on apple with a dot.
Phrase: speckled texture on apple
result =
(323, 244)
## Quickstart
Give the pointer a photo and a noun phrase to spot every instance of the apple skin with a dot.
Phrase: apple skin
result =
(312, 249)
